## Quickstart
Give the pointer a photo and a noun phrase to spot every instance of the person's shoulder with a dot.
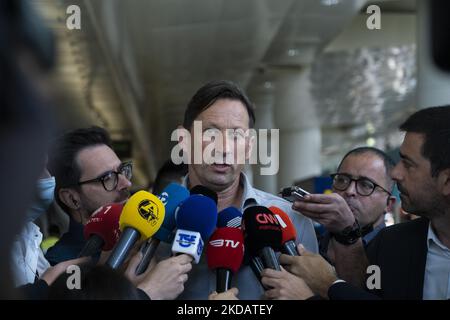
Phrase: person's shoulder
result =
(406, 227)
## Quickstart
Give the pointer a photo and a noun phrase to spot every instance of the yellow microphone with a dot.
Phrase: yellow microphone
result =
(141, 218)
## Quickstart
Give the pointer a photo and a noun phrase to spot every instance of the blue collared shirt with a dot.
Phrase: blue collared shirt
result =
(436, 284)
(202, 281)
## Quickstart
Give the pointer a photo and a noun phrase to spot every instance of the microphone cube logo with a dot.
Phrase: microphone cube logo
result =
(186, 240)
(199, 248)
(149, 211)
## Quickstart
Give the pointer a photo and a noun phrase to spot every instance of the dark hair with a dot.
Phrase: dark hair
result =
(63, 153)
(210, 93)
(169, 172)
(97, 283)
(389, 164)
(434, 123)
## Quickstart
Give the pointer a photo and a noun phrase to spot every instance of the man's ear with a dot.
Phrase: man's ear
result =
(444, 182)
(70, 198)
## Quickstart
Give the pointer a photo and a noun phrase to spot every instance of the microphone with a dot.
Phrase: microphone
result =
(172, 196)
(199, 189)
(225, 252)
(102, 230)
(196, 220)
(229, 217)
(262, 234)
(288, 232)
(141, 217)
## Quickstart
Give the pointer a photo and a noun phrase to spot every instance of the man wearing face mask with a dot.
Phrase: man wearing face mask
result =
(28, 261)
(32, 273)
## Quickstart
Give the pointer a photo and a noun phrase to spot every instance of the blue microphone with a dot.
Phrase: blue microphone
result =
(196, 220)
(229, 217)
(172, 196)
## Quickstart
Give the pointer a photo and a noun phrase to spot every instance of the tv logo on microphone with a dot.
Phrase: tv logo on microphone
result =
(265, 218)
(224, 243)
(186, 240)
(164, 197)
(149, 211)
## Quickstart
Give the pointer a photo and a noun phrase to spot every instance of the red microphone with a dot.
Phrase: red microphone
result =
(102, 230)
(289, 233)
(225, 252)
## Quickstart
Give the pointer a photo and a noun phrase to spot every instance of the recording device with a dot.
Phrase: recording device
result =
(262, 235)
(102, 230)
(196, 220)
(141, 218)
(224, 253)
(172, 196)
(289, 234)
(293, 193)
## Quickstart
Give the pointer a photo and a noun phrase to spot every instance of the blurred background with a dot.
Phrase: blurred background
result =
(312, 67)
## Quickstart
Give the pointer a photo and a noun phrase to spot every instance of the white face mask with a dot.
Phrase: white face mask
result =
(45, 195)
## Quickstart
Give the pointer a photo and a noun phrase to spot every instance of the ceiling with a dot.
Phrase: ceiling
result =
(135, 64)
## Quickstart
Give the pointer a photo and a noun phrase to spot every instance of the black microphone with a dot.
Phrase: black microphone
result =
(262, 235)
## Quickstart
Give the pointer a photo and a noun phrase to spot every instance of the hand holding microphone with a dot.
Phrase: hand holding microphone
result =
(313, 268)
(196, 220)
(230, 294)
(141, 218)
(172, 196)
(165, 281)
(285, 286)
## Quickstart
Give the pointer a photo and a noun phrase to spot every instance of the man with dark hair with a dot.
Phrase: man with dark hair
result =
(368, 198)
(221, 107)
(413, 258)
(88, 175)
(168, 173)
(362, 195)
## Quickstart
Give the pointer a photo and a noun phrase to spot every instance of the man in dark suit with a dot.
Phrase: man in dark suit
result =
(413, 257)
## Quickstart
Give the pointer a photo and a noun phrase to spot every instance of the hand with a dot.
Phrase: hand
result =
(52, 273)
(227, 295)
(285, 285)
(165, 281)
(130, 271)
(330, 210)
(318, 274)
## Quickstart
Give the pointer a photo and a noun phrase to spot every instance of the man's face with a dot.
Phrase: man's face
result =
(221, 115)
(367, 209)
(418, 189)
(93, 162)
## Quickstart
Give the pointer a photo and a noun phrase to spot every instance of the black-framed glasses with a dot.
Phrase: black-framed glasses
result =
(364, 186)
(110, 179)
